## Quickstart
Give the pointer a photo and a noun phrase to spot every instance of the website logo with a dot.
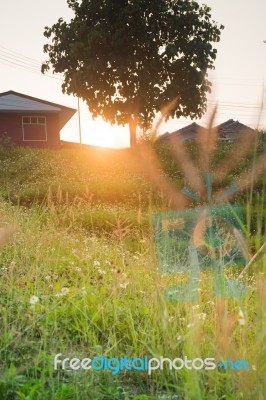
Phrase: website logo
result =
(144, 364)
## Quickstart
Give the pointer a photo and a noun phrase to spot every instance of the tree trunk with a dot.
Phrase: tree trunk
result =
(133, 132)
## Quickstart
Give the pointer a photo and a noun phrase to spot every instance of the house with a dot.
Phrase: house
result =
(228, 131)
(32, 122)
(189, 132)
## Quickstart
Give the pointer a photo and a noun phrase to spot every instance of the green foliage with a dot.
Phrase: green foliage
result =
(93, 269)
(128, 58)
(5, 140)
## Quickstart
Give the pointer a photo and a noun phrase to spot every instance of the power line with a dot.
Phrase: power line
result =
(15, 56)
(19, 55)
(25, 69)
(19, 61)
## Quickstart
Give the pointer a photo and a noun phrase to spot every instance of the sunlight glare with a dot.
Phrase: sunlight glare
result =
(95, 132)
(105, 135)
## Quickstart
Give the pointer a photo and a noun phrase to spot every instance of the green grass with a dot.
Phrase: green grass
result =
(82, 243)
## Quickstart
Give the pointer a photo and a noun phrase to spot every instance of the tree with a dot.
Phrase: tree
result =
(128, 58)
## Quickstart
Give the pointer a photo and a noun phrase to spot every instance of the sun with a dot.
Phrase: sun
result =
(95, 132)
(101, 134)
(105, 135)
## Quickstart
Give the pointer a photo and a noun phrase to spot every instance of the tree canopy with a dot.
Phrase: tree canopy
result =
(128, 58)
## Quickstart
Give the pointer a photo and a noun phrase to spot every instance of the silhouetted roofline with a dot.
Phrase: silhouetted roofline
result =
(65, 113)
(25, 96)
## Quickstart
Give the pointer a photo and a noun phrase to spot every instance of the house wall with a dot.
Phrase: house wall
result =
(11, 123)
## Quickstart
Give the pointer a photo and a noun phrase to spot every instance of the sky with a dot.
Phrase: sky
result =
(239, 78)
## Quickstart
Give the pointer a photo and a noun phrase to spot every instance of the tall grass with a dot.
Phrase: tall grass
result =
(78, 276)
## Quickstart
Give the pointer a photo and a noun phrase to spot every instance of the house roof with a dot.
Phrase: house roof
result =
(164, 135)
(227, 128)
(183, 133)
(12, 102)
(232, 127)
(191, 128)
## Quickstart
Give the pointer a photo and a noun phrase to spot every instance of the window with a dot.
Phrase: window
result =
(41, 120)
(34, 129)
(33, 120)
(26, 120)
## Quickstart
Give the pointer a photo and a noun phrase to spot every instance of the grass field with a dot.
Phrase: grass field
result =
(78, 276)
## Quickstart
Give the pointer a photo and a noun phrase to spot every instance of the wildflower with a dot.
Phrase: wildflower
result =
(96, 263)
(124, 275)
(107, 262)
(240, 318)
(63, 292)
(190, 325)
(195, 307)
(211, 302)
(179, 337)
(78, 269)
(34, 300)
(170, 319)
(101, 272)
(83, 291)
(47, 277)
(254, 367)
(123, 285)
(201, 316)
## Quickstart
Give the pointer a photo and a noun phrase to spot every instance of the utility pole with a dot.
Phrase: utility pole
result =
(264, 90)
(80, 136)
